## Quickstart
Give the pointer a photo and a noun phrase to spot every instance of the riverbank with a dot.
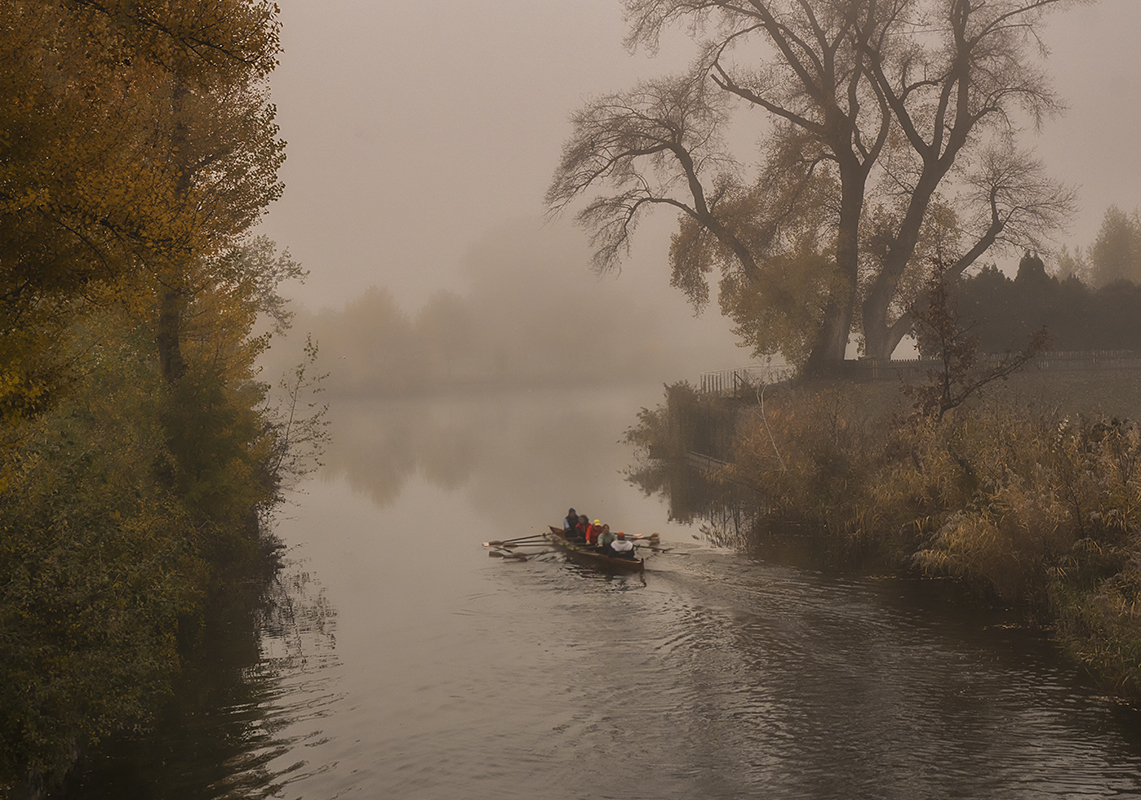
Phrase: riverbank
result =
(1029, 496)
(132, 510)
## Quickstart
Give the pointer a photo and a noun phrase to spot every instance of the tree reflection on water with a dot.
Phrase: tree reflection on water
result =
(731, 514)
(726, 513)
(264, 679)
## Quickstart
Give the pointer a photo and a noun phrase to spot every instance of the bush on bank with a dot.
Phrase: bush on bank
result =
(1028, 507)
(125, 509)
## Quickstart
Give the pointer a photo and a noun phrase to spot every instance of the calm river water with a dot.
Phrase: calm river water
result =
(404, 662)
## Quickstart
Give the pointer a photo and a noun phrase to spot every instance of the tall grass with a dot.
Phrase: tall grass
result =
(1033, 503)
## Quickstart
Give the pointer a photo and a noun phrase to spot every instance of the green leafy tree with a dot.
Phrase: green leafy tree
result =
(123, 506)
(98, 560)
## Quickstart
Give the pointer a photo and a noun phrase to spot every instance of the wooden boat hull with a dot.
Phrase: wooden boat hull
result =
(582, 555)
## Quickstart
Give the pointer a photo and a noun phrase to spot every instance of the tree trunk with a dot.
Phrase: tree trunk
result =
(878, 340)
(832, 345)
(171, 302)
(170, 335)
(827, 357)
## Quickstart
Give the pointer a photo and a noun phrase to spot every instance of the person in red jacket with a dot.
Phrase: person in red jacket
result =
(592, 533)
(582, 527)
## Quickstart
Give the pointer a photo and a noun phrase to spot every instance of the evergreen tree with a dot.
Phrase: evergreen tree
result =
(1116, 253)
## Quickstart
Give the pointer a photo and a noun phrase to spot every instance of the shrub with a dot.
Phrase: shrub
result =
(97, 568)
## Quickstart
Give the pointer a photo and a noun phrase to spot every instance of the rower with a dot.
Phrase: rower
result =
(592, 531)
(605, 539)
(582, 527)
(570, 527)
(621, 546)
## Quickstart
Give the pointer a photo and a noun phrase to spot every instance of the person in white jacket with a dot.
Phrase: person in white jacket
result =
(622, 547)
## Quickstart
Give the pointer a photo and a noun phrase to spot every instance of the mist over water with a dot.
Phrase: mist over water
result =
(528, 314)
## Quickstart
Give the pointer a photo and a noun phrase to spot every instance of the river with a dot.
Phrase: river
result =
(402, 661)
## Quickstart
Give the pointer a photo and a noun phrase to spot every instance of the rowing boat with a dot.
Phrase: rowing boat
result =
(584, 554)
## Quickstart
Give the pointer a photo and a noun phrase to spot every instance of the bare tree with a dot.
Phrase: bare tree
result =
(882, 99)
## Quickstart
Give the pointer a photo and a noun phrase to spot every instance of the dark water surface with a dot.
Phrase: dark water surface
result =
(403, 662)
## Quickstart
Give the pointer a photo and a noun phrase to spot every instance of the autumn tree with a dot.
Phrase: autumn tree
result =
(137, 140)
(138, 455)
(214, 132)
(72, 176)
(890, 132)
(445, 329)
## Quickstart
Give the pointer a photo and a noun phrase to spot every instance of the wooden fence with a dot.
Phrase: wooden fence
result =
(746, 380)
(731, 382)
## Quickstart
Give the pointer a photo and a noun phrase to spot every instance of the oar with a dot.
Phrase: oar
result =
(500, 543)
(516, 556)
(667, 550)
(653, 537)
(496, 542)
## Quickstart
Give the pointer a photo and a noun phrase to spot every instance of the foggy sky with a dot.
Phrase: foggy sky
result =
(415, 128)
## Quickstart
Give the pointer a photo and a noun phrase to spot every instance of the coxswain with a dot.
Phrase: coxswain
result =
(605, 539)
(571, 530)
(621, 546)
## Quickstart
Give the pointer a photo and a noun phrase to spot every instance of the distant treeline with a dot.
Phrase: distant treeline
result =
(1089, 300)
(1004, 313)
(372, 346)
(532, 316)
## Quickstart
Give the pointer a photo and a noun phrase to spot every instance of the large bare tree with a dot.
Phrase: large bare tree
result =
(890, 134)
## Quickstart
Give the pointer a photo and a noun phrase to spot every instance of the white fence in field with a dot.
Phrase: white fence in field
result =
(747, 380)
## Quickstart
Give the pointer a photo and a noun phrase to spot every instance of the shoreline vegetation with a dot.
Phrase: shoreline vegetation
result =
(141, 458)
(1029, 495)
(132, 510)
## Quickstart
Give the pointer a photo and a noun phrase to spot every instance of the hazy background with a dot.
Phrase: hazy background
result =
(422, 137)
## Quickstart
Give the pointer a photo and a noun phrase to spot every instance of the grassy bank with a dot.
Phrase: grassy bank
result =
(1030, 495)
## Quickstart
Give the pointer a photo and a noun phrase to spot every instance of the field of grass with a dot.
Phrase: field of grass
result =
(1112, 393)
(1090, 393)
